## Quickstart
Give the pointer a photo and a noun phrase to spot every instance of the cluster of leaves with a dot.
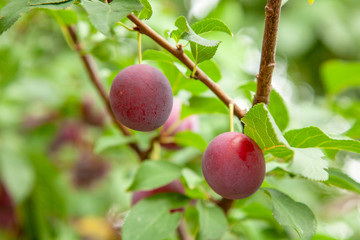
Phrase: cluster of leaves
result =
(304, 154)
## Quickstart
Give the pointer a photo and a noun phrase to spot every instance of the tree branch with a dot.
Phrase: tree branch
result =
(267, 64)
(179, 53)
(94, 76)
(181, 231)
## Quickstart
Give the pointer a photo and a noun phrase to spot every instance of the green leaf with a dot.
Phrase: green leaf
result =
(192, 179)
(203, 105)
(155, 55)
(313, 137)
(201, 48)
(203, 52)
(354, 131)
(338, 76)
(107, 142)
(182, 26)
(278, 110)
(260, 126)
(147, 11)
(151, 218)
(55, 6)
(167, 63)
(153, 174)
(188, 138)
(309, 163)
(17, 173)
(210, 25)
(63, 17)
(11, 12)
(340, 179)
(40, 2)
(104, 16)
(212, 221)
(178, 80)
(211, 69)
(9, 66)
(294, 214)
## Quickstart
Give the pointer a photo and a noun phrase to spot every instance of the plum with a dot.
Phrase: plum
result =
(141, 97)
(174, 125)
(173, 187)
(233, 165)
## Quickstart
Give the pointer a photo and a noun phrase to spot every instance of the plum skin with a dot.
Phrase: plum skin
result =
(141, 97)
(233, 165)
(173, 187)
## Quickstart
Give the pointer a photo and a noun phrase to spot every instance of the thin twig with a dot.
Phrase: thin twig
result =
(267, 64)
(178, 52)
(181, 231)
(94, 76)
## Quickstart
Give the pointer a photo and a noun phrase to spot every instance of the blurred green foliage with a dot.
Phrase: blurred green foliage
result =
(63, 189)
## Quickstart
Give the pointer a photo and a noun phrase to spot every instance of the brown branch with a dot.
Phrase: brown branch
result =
(179, 53)
(181, 231)
(267, 64)
(95, 79)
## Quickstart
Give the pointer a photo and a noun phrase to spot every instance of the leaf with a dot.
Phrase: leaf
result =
(153, 174)
(40, 2)
(9, 66)
(278, 110)
(55, 6)
(210, 25)
(189, 138)
(297, 215)
(167, 63)
(338, 76)
(203, 52)
(340, 179)
(201, 48)
(211, 69)
(260, 126)
(173, 74)
(104, 16)
(11, 12)
(203, 105)
(151, 218)
(106, 142)
(212, 221)
(192, 179)
(354, 131)
(313, 137)
(18, 175)
(158, 56)
(147, 11)
(182, 26)
(310, 164)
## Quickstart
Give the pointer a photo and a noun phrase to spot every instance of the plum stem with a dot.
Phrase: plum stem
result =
(156, 150)
(128, 28)
(231, 110)
(196, 62)
(179, 53)
(139, 44)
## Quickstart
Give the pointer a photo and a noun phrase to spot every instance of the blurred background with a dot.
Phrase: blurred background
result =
(64, 167)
